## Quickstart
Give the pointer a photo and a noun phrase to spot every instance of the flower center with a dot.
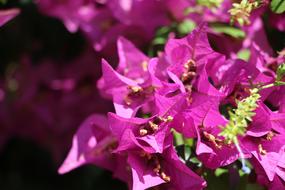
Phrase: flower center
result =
(270, 135)
(153, 126)
(261, 150)
(110, 144)
(156, 163)
(188, 76)
(137, 93)
(217, 142)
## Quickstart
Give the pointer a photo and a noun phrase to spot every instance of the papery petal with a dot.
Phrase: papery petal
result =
(143, 176)
(7, 15)
(131, 60)
(83, 143)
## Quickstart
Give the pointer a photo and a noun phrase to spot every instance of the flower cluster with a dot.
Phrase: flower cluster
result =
(189, 89)
(194, 86)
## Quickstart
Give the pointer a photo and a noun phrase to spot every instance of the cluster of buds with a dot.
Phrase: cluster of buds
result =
(240, 12)
(240, 117)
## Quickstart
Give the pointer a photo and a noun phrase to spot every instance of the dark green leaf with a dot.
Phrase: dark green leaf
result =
(178, 138)
(159, 41)
(187, 152)
(251, 186)
(229, 30)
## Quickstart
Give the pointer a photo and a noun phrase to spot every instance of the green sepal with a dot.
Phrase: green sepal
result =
(280, 71)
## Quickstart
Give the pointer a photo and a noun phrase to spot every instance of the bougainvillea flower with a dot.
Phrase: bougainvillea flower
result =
(266, 121)
(73, 13)
(211, 149)
(136, 80)
(164, 171)
(128, 95)
(94, 19)
(148, 14)
(104, 30)
(148, 134)
(255, 33)
(93, 144)
(129, 86)
(192, 48)
(193, 89)
(150, 169)
(277, 98)
(7, 15)
(262, 179)
(93, 131)
(269, 154)
(239, 75)
(251, 34)
(132, 62)
(189, 56)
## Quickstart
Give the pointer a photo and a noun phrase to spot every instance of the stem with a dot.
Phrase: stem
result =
(244, 168)
(276, 83)
(266, 86)
(279, 83)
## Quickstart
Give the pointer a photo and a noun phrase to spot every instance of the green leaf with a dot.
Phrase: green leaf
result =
(159, 41)
(187, 152)
(189, 142)
(196, 161)
(244, 54)
(189, 10)
(279, 83)
(251, 186)
(178, 138)
(220, 171)
(210, 3)
(26, 2)
(186, 26)
(277, 6)
(229, 30)
(163, 31)
(146, 115)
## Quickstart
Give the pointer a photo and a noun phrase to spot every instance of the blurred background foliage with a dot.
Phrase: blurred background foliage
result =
(25, 165)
